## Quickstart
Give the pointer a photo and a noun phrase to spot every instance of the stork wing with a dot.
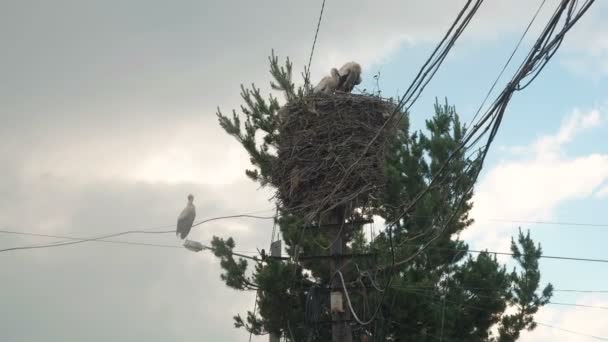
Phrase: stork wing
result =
(185, 221)
(350, 81)
(320, 88)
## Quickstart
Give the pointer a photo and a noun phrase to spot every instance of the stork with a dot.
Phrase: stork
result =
(328, 84)
(350, 76)
(185, 219)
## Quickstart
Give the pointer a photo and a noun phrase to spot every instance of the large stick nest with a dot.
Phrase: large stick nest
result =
(330, 152)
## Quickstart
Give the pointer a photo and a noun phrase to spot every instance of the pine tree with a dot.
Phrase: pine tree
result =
(440, 293)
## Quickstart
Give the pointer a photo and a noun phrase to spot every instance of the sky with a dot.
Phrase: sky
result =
(108, 122)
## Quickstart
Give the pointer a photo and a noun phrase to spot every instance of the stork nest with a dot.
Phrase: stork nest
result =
(327, 155)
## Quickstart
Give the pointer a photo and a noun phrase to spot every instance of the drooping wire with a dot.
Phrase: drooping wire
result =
(67, 243)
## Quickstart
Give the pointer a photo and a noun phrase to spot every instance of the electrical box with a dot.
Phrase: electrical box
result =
(336, 301)
(275, 248)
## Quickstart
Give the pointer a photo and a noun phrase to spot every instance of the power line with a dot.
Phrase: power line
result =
(581, 291)
(134, 243)
(210, 248)
(543, 256)
(73, 242)
(556, 223)
(571, 331)
(579, 305)
(539, 323)
(492, 288)
(504, 68)
(314, 42)
(430, 292)
(417, 85)
(511, 254)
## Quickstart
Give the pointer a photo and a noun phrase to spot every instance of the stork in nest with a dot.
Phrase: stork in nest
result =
(328, 84)
(350, 76)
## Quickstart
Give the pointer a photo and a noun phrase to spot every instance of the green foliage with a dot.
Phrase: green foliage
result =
(234, 274)
(525, 282)
(441, 292)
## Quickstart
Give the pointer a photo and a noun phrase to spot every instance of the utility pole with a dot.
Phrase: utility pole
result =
(340, 315)
(275, 251)
(337, 230)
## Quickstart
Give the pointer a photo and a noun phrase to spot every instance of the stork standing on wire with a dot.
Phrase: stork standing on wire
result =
(350, 76)
(186, 219)
(328, 84)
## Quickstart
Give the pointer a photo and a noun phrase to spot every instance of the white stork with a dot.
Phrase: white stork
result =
(328, 84)
(350, 76)
(185, 219)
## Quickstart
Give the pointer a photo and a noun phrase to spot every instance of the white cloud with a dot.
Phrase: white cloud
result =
(548, 146)
(530, 188)
(96, 102)
(603, 192)
(578, 319)
(586, 45)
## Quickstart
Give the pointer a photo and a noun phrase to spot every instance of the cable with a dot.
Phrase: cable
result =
(407, 97)
(113, 241)
(495, 114)
(556, 223)
(571, 331)
(314, 42)
(350, 305)
(545, 256)
(553, 223)
(504, 68)
(492, 288)
(255, 304)
(539, 323)
(443, 302)
(431, 291)
(581, 291)
(511, 254)
(126, 233)
(414, 86)
(579, 305)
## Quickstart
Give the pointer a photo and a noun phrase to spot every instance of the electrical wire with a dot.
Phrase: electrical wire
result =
(580, 305)
(511, 254)
(407, 96)
(59, 244)
(539, 323)
(419, 80)
(134, 243)
(431, 292)
(428, 288)
(255, 304)
(504, 68)
(314, 42)
(571, 331)
(443, 302)
(539, 53)
(350, 304)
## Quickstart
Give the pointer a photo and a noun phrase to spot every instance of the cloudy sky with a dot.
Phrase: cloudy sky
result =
(108, 120)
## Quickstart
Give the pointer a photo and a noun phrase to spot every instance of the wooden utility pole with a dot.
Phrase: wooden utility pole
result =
(340, 314)
(275, 251)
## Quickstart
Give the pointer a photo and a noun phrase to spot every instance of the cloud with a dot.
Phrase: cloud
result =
(586, 46)
(572, 126)
(108, 122)
(98, 291)
(91, 92)
(578, 320)
(532, 185)
(602, 193)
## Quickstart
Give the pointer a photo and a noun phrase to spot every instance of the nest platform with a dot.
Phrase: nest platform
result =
(327, 155)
